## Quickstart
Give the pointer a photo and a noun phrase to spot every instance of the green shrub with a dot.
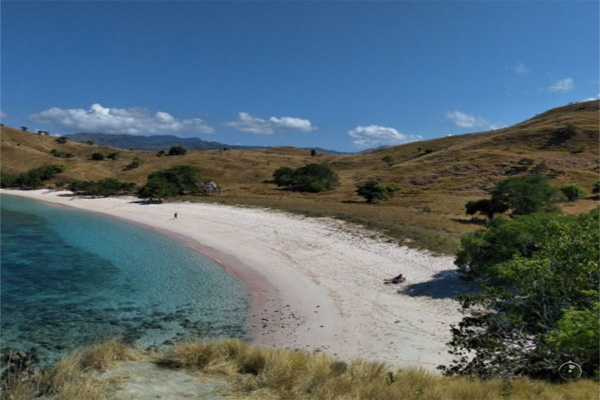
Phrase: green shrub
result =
(310, 178)
(97, 156)
(134, 164)
(177, 180)
(32, 179)
(572, 191)
(374, 191)
(177, 151)
(105, 187)
(539, 305)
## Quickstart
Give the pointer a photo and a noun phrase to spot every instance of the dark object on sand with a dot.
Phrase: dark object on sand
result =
(398, 279)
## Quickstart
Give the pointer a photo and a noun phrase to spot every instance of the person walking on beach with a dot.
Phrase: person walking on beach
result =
(175, 215)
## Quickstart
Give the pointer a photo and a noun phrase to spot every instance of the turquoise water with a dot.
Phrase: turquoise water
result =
(71, 278)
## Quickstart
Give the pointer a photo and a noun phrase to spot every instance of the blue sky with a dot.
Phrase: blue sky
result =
(339, 75)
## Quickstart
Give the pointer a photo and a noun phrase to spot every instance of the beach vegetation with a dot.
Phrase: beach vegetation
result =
(539, 305)
(32, 179)
(105, 187)
(374, 191)
(171, 182)
(310, 178)
(253, 372)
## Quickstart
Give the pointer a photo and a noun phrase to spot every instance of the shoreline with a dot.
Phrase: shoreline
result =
(314, 285)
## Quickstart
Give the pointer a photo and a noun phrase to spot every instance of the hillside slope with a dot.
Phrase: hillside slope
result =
(437, 176)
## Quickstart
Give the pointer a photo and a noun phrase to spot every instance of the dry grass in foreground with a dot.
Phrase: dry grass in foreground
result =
(282, 374)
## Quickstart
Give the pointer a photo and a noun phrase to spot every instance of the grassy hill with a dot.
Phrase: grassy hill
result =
(437, 176)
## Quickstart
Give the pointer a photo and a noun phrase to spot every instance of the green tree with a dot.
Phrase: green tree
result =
(526, 194)
(283, 176)
(105, 187)
(596, 188)
(313, 153)
(177, 151)
(34, 178)
(7, 180)
(572, 191)
(517, 326)
(97, 156)
(61, 140)
(521, 195)
(90, 142)
(158, 188)
(177, 180)
(488, 207)
(113, 156)
(310, 178)
(24, 128)
(374, 191)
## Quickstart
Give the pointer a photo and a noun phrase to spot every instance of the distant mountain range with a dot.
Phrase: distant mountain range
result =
(163, 142)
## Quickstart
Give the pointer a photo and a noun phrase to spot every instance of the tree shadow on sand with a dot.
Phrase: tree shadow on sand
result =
(443, 285)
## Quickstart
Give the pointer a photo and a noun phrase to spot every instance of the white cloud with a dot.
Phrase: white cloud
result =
(563, 85)
(3, 115)
(133, 121)
(520, 69)
(251, 124)
(365, 137)
(464, 120)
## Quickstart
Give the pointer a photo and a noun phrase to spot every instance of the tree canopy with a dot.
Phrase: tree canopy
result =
(520, 195)
(34, 178)
(177, 180)
(310, 178)
(374, 191)
(105, 187)
(539, 305)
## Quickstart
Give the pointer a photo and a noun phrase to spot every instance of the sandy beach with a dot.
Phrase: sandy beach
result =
(317, 284)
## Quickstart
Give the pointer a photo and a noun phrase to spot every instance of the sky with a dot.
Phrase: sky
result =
(340, 75)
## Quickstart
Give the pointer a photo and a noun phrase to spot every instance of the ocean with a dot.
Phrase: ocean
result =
(69, 279)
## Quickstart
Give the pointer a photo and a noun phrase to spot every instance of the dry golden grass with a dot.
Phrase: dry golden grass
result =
(285, 374)
(429, 210)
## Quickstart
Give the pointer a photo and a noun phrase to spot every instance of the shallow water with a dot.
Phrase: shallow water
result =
(71, 278)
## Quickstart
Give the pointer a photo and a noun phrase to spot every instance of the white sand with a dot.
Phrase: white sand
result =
(317, 283)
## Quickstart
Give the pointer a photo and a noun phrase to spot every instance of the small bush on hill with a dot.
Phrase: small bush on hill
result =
(177, 151)
(374, 191)
(97, 156)
(572, 191)
(134, 164)
(310, 178)
(60, 154)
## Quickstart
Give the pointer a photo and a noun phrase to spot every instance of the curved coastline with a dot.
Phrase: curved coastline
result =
(314, 285)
